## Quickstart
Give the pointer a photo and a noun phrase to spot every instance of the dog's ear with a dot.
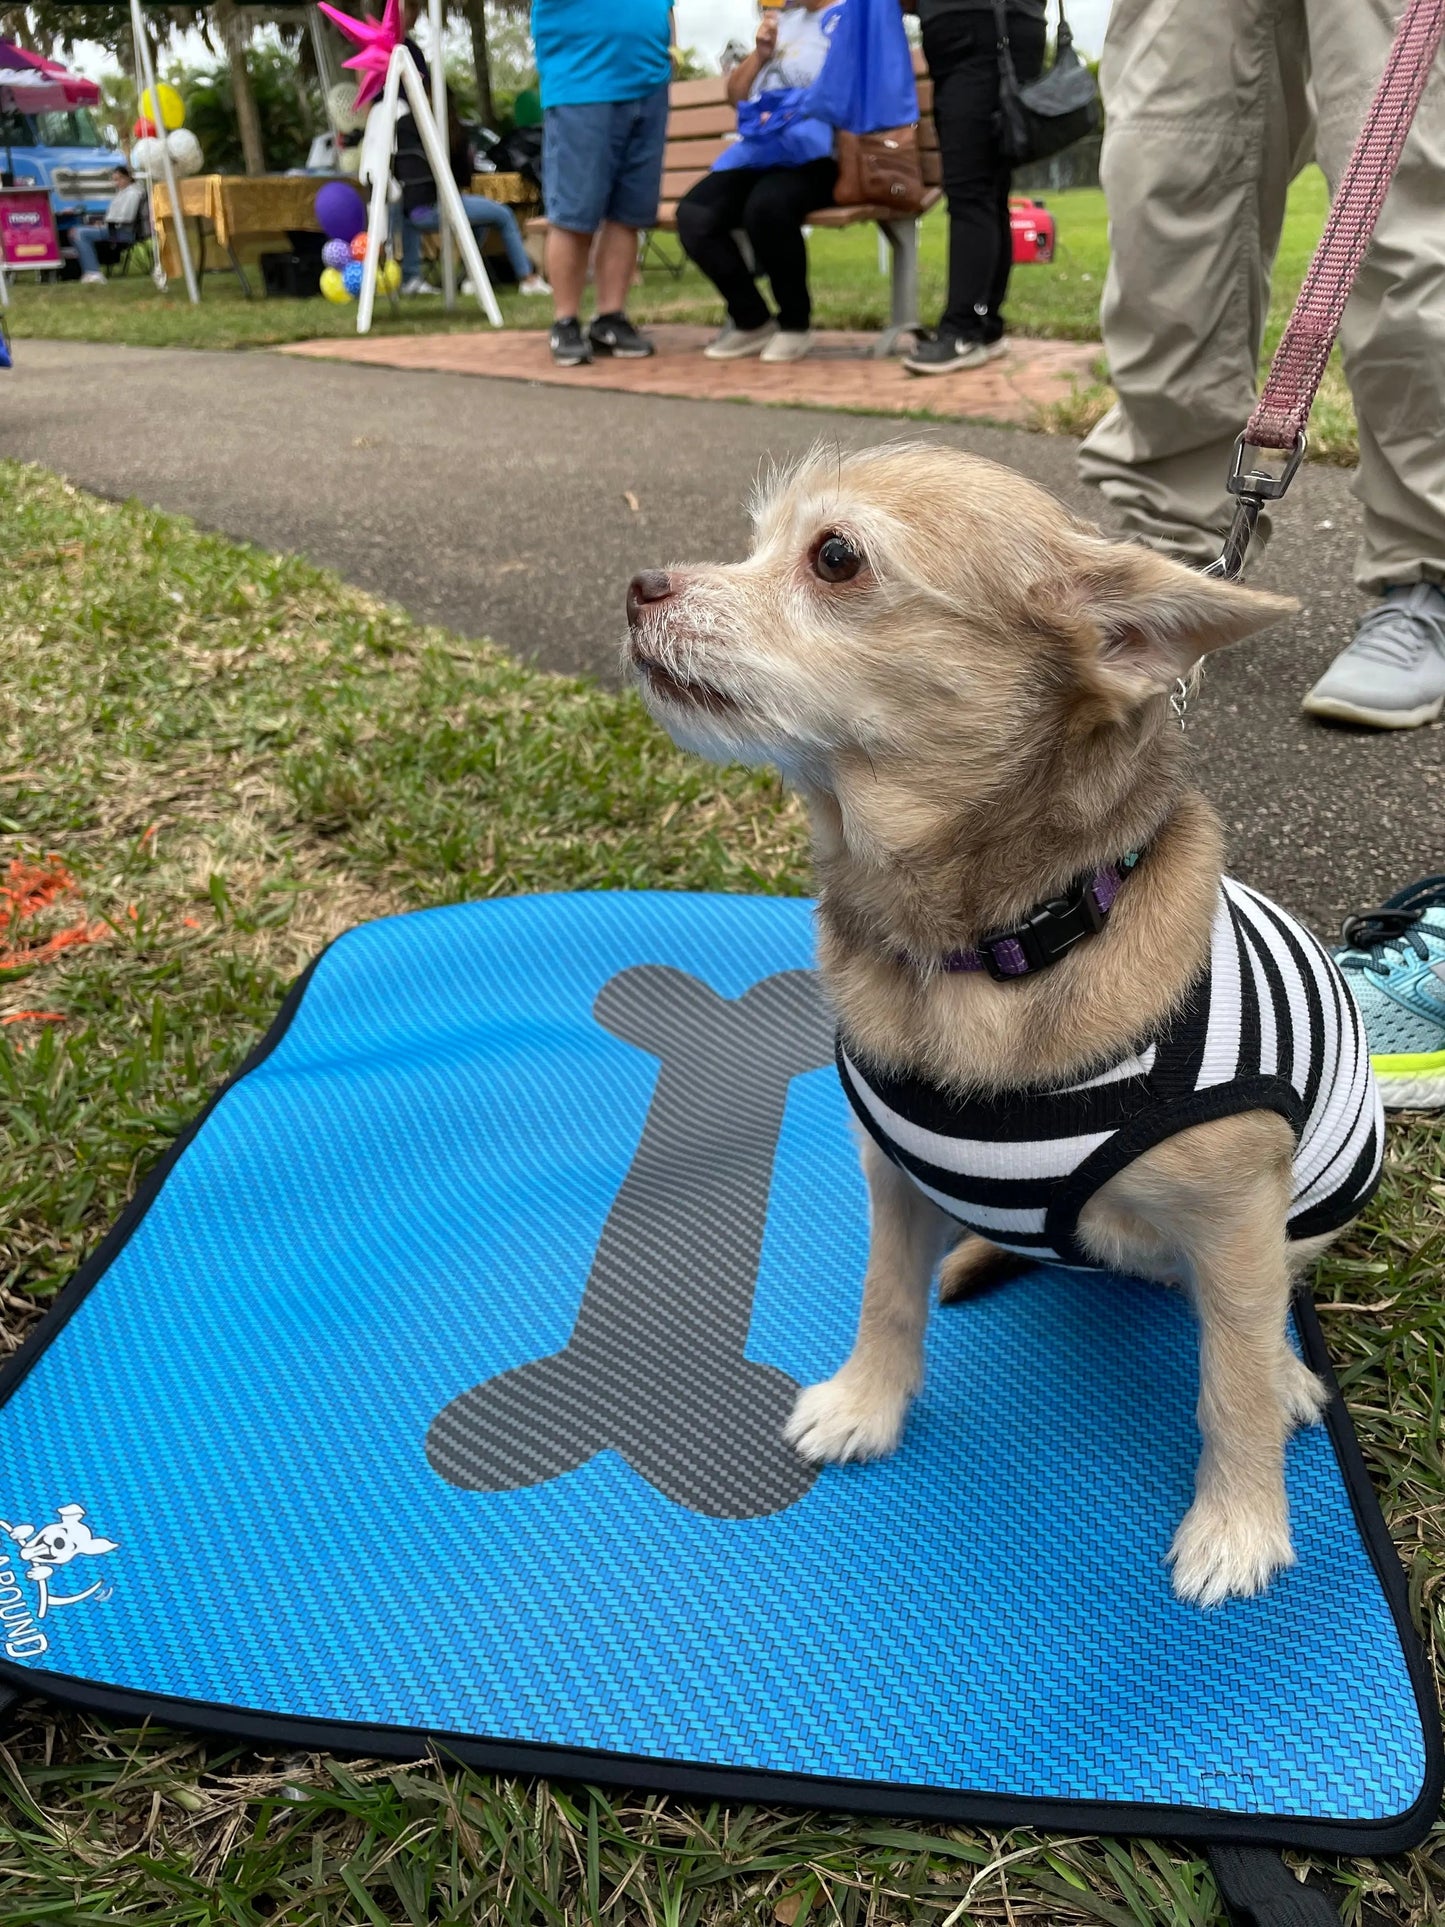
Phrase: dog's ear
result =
(1147, 620)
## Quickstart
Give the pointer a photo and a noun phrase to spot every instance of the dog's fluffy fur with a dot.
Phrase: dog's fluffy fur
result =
(979, 716)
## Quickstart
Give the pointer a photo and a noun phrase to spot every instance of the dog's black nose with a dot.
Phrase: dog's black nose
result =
(651, 585)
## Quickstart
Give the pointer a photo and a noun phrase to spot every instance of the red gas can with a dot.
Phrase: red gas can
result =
(1033, 231)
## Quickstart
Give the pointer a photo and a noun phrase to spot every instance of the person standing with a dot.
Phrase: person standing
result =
(960, 45)
(1211, 112)
(604, 73)
(768, 203)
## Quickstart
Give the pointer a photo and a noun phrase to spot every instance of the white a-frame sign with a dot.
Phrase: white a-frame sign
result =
(377, 148)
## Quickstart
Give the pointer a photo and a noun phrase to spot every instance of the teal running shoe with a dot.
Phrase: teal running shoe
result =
(1394, 961)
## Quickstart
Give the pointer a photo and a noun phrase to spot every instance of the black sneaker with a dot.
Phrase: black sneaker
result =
(943, 353)
(614, 334)
(570, 347)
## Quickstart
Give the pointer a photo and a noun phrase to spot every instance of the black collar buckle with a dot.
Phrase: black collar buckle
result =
(1046, 934)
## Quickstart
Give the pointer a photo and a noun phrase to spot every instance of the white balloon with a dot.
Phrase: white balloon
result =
(186, 156)
(145, 159)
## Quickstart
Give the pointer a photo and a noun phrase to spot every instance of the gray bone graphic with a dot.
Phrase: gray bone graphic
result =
(655, 1367)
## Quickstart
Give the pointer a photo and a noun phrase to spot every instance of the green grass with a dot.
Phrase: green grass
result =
(1059, 301)
(237, 755)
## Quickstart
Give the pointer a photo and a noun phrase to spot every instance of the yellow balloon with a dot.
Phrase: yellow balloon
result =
(332, 285)
(172, 107)
(390, 277)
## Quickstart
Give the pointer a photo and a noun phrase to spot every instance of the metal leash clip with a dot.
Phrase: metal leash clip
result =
(1252, 487)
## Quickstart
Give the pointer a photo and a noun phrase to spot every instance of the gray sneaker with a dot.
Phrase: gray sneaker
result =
(1392, 676)
(733, 344)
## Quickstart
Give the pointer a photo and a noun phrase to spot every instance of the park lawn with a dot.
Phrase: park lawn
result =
(1059, 301)
(235, 755)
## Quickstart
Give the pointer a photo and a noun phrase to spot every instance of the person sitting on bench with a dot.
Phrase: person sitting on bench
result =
(119, 228)
(767, 187)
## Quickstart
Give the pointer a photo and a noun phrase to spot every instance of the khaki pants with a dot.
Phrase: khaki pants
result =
(1212, 109)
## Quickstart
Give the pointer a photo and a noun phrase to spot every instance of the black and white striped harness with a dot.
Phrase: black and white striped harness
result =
(1270, 1025)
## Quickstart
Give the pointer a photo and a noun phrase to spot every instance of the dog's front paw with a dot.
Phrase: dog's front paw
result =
(1222, 1551)
(842, 1419)
(1304, 1392)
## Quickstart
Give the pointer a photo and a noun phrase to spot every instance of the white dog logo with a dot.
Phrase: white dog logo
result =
(47, 1549)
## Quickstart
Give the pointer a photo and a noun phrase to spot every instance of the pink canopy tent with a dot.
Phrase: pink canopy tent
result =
(32, 84)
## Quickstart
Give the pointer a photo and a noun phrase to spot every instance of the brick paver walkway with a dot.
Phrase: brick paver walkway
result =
(838, 374)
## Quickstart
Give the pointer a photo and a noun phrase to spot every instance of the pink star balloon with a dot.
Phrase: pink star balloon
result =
(376, 38)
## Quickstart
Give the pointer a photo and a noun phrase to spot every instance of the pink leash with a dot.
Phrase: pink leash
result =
(1280, 415)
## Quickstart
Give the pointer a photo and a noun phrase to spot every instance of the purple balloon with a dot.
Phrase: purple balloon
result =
(336, 254)
(340, 210)
(351, 275)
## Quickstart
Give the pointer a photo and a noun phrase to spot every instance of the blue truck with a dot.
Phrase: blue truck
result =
(63, 151)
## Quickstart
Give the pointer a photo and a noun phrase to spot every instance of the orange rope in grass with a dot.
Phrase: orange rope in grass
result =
(28, 889)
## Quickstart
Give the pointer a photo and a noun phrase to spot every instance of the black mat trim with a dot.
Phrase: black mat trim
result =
(961, 1807)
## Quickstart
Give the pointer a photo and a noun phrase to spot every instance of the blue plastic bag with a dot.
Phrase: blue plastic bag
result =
(867, 80)
(777, 131)
(866, 83)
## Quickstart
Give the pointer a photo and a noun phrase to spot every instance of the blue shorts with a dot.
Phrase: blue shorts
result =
(602, 161)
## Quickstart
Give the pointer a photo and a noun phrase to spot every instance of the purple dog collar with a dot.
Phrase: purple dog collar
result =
(1050, 930)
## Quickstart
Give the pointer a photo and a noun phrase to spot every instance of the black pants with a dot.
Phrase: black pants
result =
(770, 205)
(961, 48)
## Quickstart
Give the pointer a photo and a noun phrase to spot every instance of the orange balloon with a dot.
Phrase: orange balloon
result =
(358, 246)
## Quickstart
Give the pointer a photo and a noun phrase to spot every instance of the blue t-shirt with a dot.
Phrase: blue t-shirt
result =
(588, 50)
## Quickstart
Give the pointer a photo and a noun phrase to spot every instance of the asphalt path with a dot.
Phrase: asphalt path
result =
(519, 511)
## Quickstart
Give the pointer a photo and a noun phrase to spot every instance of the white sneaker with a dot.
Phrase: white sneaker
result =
(418, 285)
(534, 284)
(1392, 676)
(92, 281)
(786, 346)
(734, 343)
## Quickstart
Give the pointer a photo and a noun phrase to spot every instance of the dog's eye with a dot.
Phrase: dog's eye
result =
(836, 560)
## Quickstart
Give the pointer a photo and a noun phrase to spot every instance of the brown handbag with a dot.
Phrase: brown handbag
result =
(884, 169)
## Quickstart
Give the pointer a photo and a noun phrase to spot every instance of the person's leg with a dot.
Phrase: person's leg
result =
(484, 214)
(1393, 336)
(576, 146)
(1027, 40)
(85, 239)
(614, 265)
(1207, 119)
(634, 188)
(421, 220)
(779, 201)
(963, 59)
(708, 218)
(567, 256)
(1392, 675)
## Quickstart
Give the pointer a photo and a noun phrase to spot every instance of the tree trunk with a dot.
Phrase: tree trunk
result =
(248, 121)
(476, 12)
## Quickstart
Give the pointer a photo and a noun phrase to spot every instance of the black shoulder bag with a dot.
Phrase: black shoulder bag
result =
(1048, 114)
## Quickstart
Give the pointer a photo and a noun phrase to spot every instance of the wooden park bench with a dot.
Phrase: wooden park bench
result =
(700, 121)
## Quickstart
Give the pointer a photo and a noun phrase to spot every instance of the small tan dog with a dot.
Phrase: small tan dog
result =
(1058, 1024)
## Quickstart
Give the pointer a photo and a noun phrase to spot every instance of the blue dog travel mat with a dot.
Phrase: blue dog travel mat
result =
(432, 1389)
